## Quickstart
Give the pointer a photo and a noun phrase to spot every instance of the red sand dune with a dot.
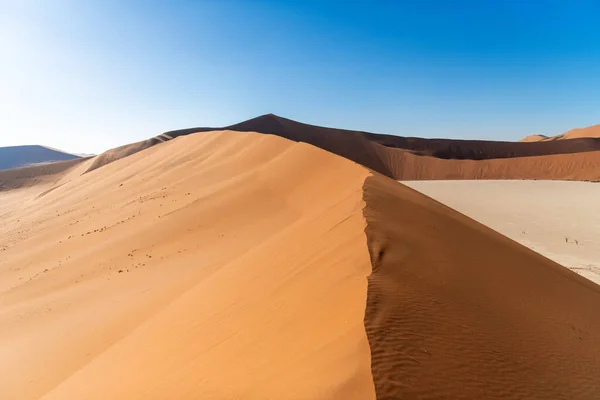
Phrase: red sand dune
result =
(418, 158)
(233, 265)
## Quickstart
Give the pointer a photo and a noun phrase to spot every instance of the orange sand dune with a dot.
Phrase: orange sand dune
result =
(412, 158)
(579, 166)
(577, 133)
(233, 265)
(534, 138)
(213, 266)
(38, 174)
(457, 311)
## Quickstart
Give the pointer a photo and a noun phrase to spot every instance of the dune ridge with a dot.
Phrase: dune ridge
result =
(534, 138)
(244, 265)
(225, 265)
(408, 158)
(458, 311)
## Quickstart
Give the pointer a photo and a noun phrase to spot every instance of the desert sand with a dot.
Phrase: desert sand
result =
(559, 220)
(534, 138)
(409, 158)
(228, 265)
(204, 268)
(577, 133)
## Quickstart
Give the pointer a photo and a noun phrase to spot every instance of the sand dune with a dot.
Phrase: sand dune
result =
(556, 219)
(577, 167)
(406, 158)
(578, 133)
(22, 156)
(457, 311)
(235, 265)
(534, 138)
(213, 266)
(37, 175)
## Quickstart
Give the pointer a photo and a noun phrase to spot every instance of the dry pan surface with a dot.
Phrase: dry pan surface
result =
(558, 219)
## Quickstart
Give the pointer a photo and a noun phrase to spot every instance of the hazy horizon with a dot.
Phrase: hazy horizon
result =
(84, 78)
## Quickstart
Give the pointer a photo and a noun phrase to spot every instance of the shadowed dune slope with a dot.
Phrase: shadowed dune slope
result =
(418, 158)
(36, 174)
(235, 265)
(580, 166)
(217, 266)
(22, 156)
(457, 311)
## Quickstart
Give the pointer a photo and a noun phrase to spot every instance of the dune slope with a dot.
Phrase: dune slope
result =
(410, 158)
(36, 175)
(577, 133)
(457, 311)
(224, 265)
(577, 167)
(235, 265)
(534, 138)
(557, 219)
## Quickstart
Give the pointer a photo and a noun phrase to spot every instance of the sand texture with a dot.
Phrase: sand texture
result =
(458, 311)
(559, 220)
(229, 265)
(216, 266)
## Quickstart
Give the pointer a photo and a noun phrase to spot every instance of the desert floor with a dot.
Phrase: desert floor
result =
(558, 219)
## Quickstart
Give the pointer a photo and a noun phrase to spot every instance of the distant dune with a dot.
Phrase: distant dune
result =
(406, 158)
(22, 156)
(534, 138)
(34, 175)
(239, 265)
(578, 133)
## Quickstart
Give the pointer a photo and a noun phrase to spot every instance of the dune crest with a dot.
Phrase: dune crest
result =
(244, 265)
(534, 138)
(409, 158)
(225, 265)
(458, 311)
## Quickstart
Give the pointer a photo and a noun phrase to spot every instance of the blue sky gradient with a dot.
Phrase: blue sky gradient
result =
(86, 76)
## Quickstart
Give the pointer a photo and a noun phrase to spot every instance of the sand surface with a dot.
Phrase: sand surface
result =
(409, 158)
(229, 265)
(458, 311)
(220, 266)
(559, 220)
(577, 133)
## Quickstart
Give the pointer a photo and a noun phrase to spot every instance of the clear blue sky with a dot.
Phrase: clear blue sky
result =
(88, 75)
